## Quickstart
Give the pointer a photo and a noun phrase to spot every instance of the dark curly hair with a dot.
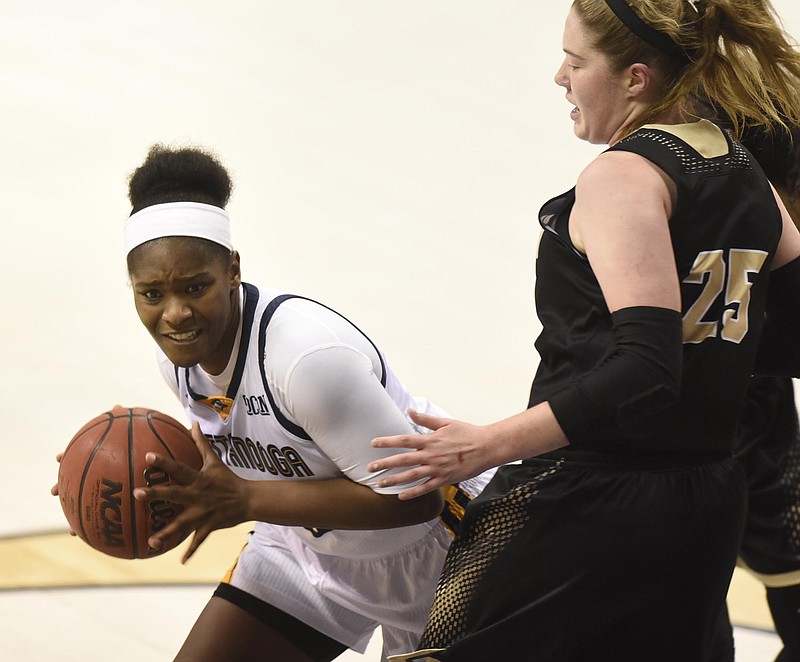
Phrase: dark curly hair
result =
(181, 174)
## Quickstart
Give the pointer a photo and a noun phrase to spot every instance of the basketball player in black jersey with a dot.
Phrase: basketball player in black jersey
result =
(769, 448)
(616, 536)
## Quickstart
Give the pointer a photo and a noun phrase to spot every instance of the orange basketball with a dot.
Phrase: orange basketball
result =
(102, 465)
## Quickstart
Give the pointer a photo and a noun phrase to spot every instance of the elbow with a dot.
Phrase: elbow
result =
(434, 505)
(424, 508)
(657, 399)
(662, 394)
(421, 509)
(668, 392)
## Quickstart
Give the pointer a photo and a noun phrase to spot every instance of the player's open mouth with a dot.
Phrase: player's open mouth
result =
(187, 336)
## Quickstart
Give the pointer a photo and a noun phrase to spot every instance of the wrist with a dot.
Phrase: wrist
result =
(248, 501)
(527, 434)
(499, 443)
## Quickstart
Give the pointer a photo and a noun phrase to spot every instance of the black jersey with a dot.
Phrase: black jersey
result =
(725, 227)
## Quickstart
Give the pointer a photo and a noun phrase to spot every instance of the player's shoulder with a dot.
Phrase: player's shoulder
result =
(301, 328)
(617, 176)
(279, 313)
(304, 317)
(617, 166)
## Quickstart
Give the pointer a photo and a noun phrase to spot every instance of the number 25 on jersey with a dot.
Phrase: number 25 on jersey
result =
(719, 278)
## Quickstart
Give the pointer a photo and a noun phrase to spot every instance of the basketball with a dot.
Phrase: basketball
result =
(102, 465)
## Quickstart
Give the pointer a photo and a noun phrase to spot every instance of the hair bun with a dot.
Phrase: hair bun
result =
(185, 174)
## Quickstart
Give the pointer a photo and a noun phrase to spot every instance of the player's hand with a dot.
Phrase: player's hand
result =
(213, 497)
(454, 451)
(54, 490)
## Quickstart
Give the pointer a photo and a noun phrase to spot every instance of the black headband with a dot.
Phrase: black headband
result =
(649, 35)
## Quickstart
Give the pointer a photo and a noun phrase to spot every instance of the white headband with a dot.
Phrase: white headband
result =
(178, 219)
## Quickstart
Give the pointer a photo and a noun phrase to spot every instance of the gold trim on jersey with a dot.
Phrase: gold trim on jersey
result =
(226, 579)
(219, 403)
(705, 137)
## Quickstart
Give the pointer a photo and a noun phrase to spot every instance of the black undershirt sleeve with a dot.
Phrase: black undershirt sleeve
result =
(779, 349)
(641, 377)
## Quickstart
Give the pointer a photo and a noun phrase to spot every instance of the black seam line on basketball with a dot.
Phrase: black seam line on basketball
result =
(149, 419)
(77, 436)
(86, 471)
(134, 523)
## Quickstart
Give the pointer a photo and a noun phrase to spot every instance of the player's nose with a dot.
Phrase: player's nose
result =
(175, 311)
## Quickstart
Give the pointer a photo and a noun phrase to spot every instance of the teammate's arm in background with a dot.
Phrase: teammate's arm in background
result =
(779, 353)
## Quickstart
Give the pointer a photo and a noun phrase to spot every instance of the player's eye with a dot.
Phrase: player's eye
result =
(150, 295)
(196, 289)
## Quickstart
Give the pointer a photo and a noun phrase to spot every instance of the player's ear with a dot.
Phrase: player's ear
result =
(640, 79)
(235, 270)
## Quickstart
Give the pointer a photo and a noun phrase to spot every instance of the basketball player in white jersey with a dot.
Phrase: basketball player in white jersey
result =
(284, 395)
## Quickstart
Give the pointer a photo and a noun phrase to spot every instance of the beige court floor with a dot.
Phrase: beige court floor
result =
(389, 159)
(142, 609)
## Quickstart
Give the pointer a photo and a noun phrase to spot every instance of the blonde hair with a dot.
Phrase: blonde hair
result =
(740, 59)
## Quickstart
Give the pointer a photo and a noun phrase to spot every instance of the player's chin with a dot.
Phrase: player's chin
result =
(182, 361)
(580, 132)
(183, 355)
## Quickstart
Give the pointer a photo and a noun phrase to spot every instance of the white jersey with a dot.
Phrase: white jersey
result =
(303, 395)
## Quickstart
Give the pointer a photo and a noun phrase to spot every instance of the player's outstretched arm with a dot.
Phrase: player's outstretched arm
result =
(637, 273)
(455, 450)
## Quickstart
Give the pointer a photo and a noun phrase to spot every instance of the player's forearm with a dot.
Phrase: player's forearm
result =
(527, 434)
(336, 503)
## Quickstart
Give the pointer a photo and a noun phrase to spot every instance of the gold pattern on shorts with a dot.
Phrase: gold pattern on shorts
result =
(790, 481)
(472, 554)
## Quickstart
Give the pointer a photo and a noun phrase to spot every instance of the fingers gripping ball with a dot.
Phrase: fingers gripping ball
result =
(102, 465)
